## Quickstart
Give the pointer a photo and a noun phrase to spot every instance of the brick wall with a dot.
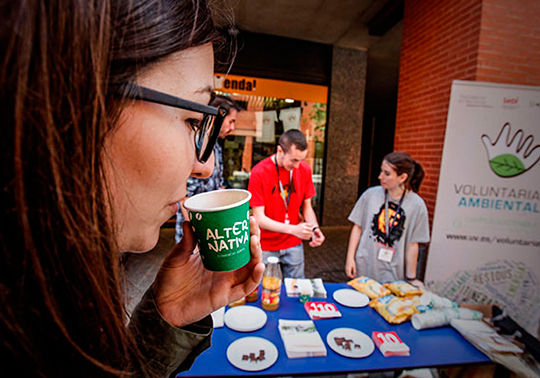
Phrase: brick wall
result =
(490, 40)
(510, 42)
(440, 44)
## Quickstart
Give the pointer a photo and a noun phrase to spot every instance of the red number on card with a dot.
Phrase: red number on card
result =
(322, 309)
(390, 338)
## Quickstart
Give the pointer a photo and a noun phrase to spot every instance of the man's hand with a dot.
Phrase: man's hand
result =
(302, 230)
(318, 237)
(186, 292)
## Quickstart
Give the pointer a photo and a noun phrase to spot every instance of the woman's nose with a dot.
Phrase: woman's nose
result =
(201, 170)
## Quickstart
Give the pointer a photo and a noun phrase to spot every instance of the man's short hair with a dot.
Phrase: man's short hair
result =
(293, 137)
(225, 101)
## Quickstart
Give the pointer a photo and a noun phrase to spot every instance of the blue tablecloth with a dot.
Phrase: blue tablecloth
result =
(429, 348)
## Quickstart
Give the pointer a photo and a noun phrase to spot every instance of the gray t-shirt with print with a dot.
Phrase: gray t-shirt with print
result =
(409, 226)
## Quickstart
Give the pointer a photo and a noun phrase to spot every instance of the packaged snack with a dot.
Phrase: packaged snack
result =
(402, 288)
(394, 309)
(370, 287)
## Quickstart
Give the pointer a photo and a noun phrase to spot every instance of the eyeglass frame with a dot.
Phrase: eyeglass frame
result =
(138, 92)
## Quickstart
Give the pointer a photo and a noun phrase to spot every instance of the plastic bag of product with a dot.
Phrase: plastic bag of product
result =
(394, 309)
(370, 287)
(442, 317)
(403, 289)
(432, 300)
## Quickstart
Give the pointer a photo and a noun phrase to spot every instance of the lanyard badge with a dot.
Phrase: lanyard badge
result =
(286, 198)
(387, 252)
(287, 220)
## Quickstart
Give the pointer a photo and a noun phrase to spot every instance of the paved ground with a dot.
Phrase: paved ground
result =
(328, 261)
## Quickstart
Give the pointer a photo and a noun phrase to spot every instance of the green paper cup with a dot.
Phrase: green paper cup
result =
(220, 222)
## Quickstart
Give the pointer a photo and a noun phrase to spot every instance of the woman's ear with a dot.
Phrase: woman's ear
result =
(403, 178)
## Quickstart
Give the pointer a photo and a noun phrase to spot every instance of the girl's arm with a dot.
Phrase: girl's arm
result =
(411, 262)
(354, 240)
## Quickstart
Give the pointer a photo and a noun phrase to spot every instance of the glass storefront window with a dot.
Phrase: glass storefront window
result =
(267, 114)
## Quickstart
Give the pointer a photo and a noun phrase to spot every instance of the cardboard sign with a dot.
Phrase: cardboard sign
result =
(321, 310)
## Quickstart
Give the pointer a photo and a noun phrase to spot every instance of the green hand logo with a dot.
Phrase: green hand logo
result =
(511, 156)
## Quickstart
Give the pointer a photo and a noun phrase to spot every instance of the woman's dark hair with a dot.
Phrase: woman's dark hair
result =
(293, 137)
(61, 296)
(226, 102)
(403, 163)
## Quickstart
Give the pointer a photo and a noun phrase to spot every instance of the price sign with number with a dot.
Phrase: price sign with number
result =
(321, 310)
(390, 344)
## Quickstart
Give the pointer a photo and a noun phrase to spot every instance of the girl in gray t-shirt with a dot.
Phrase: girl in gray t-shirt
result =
(389, 222)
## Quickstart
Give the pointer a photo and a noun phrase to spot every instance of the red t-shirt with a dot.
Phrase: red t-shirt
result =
(264, 189)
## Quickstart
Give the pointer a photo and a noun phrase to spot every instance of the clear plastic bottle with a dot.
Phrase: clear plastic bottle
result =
(271, 285)
(240, 302)
(253, 296)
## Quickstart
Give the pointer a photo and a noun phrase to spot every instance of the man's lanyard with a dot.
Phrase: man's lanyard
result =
(388, 229)
(285, 200)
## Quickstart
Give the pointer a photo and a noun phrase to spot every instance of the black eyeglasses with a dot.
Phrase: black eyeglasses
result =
(208, 129)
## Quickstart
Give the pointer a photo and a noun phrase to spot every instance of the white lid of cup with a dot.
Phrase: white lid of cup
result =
(217, 200)
(273, 260)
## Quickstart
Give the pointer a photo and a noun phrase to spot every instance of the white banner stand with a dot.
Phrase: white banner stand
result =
(485, 244)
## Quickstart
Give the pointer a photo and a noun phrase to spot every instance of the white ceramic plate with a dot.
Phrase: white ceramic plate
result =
(252, 353)
(217, 317)
(351, 298)
(350, 342)
(245, 318)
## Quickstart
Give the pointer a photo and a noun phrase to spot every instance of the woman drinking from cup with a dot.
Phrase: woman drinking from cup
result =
(104, 119)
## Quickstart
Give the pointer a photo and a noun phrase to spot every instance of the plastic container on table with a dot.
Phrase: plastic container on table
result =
(271, 285)
(253, 296)
(239, 302)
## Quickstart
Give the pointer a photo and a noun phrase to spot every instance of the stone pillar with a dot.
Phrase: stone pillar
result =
(344, 137)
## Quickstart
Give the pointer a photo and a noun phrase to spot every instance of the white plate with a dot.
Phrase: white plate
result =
(354, 344)
(245, 318)
(350, 298)
(217, 317)
(240, 351)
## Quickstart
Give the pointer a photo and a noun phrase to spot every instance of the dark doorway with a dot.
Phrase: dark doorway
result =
(380, 106)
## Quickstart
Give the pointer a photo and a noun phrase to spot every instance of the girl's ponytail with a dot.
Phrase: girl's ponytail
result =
(417, 177)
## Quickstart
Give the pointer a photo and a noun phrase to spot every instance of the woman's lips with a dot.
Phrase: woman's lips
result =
(175, 206)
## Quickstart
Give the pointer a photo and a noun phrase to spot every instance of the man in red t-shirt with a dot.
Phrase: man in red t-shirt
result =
(280, 186)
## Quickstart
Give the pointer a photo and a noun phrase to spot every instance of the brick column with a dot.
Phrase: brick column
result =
(344, 138)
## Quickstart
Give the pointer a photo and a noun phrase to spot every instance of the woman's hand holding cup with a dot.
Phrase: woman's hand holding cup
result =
(185, 291)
